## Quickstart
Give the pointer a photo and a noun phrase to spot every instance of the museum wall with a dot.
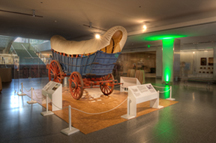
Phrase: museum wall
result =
(155, 46)
(198, 62)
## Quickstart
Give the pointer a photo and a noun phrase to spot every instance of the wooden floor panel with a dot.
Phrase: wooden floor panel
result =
(89, 123)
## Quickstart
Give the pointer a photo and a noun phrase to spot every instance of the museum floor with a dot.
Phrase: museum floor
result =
(190, 120)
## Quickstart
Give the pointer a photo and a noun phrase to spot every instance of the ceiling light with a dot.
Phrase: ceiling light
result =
(97, 36)
(193, 52)
(144, 27)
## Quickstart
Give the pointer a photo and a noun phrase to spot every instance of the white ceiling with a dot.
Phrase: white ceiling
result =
(66, 18)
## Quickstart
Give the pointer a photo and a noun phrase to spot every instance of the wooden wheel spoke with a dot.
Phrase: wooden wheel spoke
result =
(54, 65)
(77, 92)
(105, 90)
(52, 73)
(72, 90)
(51, 69)
(108, 88)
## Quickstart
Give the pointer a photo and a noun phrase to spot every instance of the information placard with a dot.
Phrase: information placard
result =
(126, 82)
(138, 94)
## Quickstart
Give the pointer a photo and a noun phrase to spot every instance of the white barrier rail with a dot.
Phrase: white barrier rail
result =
(32, 100)
(21, 90)
(70, 130)
(46, 113)
(170, 89)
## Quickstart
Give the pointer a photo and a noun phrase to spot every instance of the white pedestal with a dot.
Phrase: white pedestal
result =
(159, 107)
(31, 102)
(47, 113)
(126, 116)
(21, 94)
(171, 99)
(68, 131)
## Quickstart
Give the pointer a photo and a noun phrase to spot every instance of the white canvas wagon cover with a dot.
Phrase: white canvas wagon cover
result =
(60, 44)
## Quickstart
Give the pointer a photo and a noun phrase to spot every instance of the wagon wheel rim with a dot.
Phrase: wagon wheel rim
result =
(107, 88)
(76, 85)
(54, 72)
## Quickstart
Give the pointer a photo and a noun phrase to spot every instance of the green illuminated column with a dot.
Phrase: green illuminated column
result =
(167, 60)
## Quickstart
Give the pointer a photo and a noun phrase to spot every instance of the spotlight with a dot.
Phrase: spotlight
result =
(97, 36)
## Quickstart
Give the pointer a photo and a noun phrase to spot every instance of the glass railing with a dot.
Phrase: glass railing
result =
(32, 71)
(197, 64)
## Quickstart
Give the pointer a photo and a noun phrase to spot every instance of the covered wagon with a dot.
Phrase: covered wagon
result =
(88, 64)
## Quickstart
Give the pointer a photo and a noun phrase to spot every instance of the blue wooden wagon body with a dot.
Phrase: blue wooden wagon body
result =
(97, 64)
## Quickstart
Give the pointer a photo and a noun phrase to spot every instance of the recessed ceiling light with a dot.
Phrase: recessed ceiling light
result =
(97, 36)
(144, 27)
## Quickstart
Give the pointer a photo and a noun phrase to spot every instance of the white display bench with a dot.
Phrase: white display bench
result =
(138, 94)
(126, 82)
(54, 92)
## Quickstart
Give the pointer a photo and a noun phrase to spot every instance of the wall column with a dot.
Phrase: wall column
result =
(167, 53)
(159, 62)
(176, 60)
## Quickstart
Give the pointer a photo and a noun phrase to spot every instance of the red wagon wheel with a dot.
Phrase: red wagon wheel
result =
(107, 87)
(76, 85)
(54, 72)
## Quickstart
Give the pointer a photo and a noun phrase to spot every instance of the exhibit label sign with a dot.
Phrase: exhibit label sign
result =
(54, 92)
(139, 94)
